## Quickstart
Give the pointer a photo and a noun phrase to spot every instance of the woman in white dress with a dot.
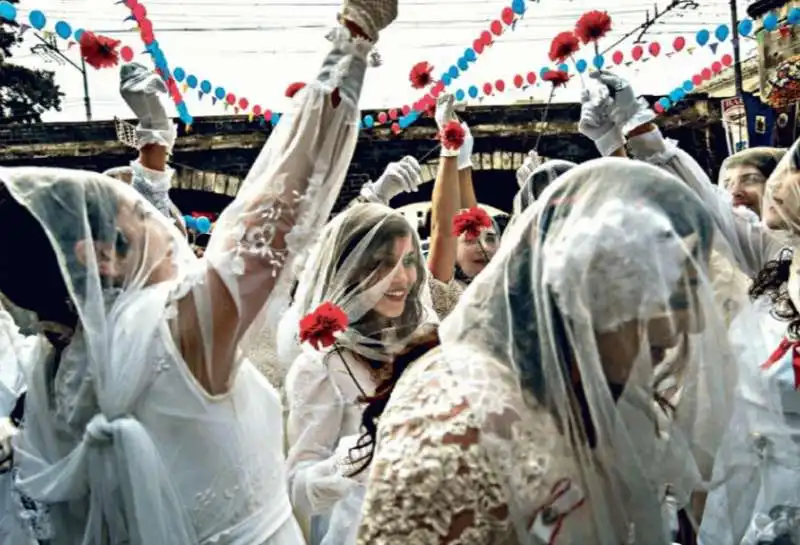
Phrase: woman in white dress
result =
(369, 263)
(143, 424)
(541, 418)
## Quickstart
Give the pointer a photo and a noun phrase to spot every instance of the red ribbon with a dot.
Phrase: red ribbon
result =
(780, 352)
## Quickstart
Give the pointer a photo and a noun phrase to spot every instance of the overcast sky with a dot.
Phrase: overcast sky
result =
(255, 48)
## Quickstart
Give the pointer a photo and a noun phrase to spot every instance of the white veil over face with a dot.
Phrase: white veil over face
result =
(368, 261)
(589, 292)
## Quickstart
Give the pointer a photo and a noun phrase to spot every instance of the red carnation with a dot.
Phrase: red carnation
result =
(563, 46)
(99, 51)
(558, 78)
(453, 135)
(420, 75)
(321, 326)
(592, 26)
(294, 88)
(471, 222)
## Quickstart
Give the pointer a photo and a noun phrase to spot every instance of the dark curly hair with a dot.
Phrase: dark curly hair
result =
(772, 281)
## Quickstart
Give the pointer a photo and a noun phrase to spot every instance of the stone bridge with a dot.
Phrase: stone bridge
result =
(212, 159)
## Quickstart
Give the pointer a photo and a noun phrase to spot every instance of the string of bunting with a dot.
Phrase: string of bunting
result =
(679, 93)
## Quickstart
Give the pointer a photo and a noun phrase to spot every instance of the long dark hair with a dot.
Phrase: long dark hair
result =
(772, 281)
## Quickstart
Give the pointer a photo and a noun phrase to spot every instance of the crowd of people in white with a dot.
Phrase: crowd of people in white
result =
(619, 365)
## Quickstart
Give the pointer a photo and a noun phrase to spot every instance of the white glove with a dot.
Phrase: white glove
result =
(371, 16)
(7, 433)
(445, 113)
(532, 162)
(627, 112)
(596, 122)
(403, 176)
(465, 153)
(349, 458)
(141, 90)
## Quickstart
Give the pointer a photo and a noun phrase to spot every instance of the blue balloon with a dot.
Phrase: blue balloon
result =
(598, 61)
(360, 124)
(702, 37)
(454, 73)
(78, 34)
(463, 64)
(219, 92)
(581, 66)
(460, 95)
(404, 122)
(191, 223)
(205, 86)
(470, 55)
(472, 91)
(37, 19)
(63, 30)
(688, 85)
(7, 11)
(369, 121)
(745, 27)
(203, 224)
(793, 17)
(771, 22)
(446, 79)
(675, 95)
(722, 33)
(563, 67)
(275, 118)
(191, 81)
(187, 119)
(665, 102)
(543, 71)
(518, 6)
(179, 73)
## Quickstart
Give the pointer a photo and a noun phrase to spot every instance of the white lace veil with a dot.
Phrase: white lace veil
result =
(352, 265)
(541, 177)
(589, 290)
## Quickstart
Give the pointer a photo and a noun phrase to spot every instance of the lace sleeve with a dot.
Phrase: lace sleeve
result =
(432, 481)
(445, 296)
(752, 243)
(287, 197)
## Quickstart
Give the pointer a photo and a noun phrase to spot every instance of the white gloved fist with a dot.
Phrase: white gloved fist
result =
(142, 89)
(465, 153)
(532, 162)
(596, 122)
(7, 433)
(350, 458)
(403, 176)
(627, 112)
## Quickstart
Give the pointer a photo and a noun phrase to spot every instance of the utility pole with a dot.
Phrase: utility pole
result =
(50, 52)
(737, 65)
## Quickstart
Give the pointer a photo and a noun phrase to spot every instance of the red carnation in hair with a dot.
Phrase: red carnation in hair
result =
(563, 46)
(592, 26)
(321, 326)
(294, 88)
(453, 135)
(471, 222)
(99, 51)
(558, 78)
(420, 75)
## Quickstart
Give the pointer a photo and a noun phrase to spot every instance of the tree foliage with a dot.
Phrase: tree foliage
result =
(24, 93)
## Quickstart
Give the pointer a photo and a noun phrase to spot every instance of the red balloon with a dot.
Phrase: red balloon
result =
(396, 128)
(487, 88)
(477, 45)
(496, 27)
(382, 117)
(658, 107)
(243, 103)
(716, 67)
(697, 79)
(406, 109)
(507, 15)
(617, 57)
(231, 98)
(518, 81)
(126, 53)
(679, 43)
(486, 37)
(654, 48)
(393, 113)
(531, 78)
(706, 73)
(256, 110)
(637, 52)
(727, 60)
(267, 114)
(500, 85)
